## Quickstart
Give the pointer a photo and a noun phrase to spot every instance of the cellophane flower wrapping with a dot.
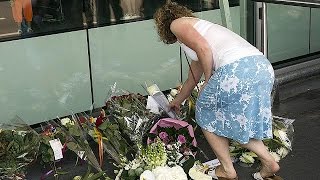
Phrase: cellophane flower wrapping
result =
(129, 111)
(77, 141)
(279, 146)
(19, 145)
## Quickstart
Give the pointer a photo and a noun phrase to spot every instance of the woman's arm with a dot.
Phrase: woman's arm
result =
(189, 84)
(188, 35)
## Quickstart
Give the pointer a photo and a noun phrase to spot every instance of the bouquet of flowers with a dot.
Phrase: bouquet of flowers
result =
(77, 141)
(172, 131)
(60, 136)
(121, 125)
(151, 163)
(50, 132)
(130, 113)
(279, 146)
(19, 145)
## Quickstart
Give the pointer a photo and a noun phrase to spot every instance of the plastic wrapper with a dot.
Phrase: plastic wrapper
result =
(76, 140)
(129, 112)
(161, 100)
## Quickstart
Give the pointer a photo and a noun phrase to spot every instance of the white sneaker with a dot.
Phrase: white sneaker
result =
(19, 31)
(29, 30)
(126, 17)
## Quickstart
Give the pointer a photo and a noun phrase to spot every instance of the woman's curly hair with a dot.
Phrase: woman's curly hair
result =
(165, 15)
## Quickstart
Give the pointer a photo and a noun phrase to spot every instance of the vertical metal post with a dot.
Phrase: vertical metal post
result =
(225, 14)
(264, 30)
(243, 18)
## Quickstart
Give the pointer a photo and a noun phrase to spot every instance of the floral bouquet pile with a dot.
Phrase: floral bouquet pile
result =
(279, 146)
(19, 145)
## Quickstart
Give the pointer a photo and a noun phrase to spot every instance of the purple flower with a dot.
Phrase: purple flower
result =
(182, 139)
(163, 135)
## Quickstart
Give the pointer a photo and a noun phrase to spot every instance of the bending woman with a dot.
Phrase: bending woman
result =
(235, 101)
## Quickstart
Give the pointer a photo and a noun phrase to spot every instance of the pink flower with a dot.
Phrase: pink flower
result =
(163, 135)
(182, 139)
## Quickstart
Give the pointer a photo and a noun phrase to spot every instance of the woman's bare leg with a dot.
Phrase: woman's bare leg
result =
(269, 165)
(220, 146)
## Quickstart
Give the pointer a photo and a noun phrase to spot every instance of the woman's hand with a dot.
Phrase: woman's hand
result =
(174, 105)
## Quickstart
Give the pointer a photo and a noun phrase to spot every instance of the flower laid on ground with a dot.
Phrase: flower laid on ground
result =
(279, 146)
(147, 175)
(199, 171)
(171, 131)
(19, 145)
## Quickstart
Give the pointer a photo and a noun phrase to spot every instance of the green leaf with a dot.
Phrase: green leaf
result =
(96, 176)
(73, 146)
(188, 164)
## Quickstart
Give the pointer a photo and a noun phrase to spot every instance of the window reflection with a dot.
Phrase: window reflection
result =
(25, 17)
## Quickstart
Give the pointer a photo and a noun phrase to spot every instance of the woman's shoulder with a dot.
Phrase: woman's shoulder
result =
(185, 21)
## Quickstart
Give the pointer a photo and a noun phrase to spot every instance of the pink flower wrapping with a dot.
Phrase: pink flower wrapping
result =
(177, 124)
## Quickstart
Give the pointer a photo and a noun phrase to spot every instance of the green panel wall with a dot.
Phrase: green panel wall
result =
(44, 77)
(288, 31)
(315, 31)
(131, 54)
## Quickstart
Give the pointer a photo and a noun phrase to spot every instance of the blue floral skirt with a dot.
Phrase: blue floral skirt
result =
(236, 102)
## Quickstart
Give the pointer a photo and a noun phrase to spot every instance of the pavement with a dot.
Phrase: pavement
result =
(300, 164)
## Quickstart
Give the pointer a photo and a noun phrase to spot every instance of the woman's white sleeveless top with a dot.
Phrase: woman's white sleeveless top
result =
(226, 45)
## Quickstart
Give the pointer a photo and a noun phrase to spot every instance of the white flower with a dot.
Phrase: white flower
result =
(275, 156)
(66, 121)
(162, 173)
(147, 175)
(282, 152)
(135, 165)
(153, 89)
(170, 98)
(77, 178)
(127, 167)
(198, 175)
(284, 139)
(178, 173)
(174, 92)
(167, 173)
(246, 158)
